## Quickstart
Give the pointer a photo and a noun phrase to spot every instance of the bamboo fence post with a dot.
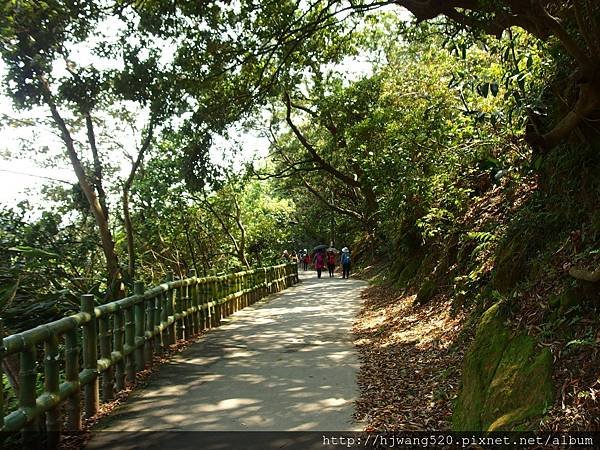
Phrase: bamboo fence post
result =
(129, 344)
(105, 350)
(212, 299)
(52, 386)
(228, 292)
(220, 295)
(90, 356)
(216, 311)
(206, 290)
(210, 289)
(200, 287)
(244, 296)
(138, 312)
(215, 299)
(27, 394)
(118, 346)
(170, 311)
(164, 317)
(194, 303)
(72, 376)
(157, 304)
(149, 332)
(187, 301)
(1, 373)
(180, 326)
(233, 283)
(238, 290)
(224, 288)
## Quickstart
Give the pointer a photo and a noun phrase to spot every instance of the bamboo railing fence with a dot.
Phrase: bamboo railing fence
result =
(95, 353)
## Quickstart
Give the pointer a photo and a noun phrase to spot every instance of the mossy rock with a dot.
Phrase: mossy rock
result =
(505, 381)
(521, 387)
(481, 360)
(426, 292)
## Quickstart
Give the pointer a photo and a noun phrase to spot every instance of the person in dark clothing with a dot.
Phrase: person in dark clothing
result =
(331, 263)
(345, 262)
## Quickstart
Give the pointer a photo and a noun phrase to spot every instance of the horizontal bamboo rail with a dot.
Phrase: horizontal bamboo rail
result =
(93, 354)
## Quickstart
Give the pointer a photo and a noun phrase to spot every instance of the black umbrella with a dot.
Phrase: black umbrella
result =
(320, 248)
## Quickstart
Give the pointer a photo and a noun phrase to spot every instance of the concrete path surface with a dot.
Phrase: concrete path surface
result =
(286, 363)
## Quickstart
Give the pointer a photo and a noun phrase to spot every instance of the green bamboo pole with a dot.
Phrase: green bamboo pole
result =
(130, 344)
(208, 298)
(180, 325)
(243, 284)
(118, 345)
(28, 375)
(223, 291)
(105, 351)
(157, 304)
(72, 376)
(170, 312)
(1, 373)
(220, 308)
(212, 295)
(52, 386)
(90, 356)
(138, 312)
(236, 289)
(225, 288)
(187, 320)
(193, 292)
(199, 302)
(149, 344)
(164, 335)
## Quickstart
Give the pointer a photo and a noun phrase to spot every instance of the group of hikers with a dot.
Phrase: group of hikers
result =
(324, 257)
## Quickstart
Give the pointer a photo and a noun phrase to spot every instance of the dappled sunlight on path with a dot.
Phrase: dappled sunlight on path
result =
(285, 363)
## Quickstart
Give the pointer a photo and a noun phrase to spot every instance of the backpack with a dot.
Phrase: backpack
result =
(345, 258)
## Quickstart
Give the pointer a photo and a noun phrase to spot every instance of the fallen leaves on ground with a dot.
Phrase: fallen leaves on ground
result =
(411, 358)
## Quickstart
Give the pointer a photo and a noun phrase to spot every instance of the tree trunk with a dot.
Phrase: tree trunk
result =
(115, 285)
(129, 233)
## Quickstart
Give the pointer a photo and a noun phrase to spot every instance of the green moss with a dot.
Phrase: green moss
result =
(521, 387)
(504, 381)
(426, 292)
(479, 367)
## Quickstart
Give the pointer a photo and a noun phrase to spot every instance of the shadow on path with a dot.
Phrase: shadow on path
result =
(284, 364)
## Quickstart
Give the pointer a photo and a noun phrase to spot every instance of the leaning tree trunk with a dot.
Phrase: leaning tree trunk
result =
(115, 284)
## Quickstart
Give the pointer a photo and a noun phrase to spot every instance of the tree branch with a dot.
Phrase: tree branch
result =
(313, 151)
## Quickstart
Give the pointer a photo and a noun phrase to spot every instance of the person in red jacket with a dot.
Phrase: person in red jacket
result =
(319, 262)
(306, 260)
(331, 263)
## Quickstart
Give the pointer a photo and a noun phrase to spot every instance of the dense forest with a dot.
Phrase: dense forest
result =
(453, 146)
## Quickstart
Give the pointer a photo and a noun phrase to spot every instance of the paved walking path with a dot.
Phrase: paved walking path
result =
(286, 363)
